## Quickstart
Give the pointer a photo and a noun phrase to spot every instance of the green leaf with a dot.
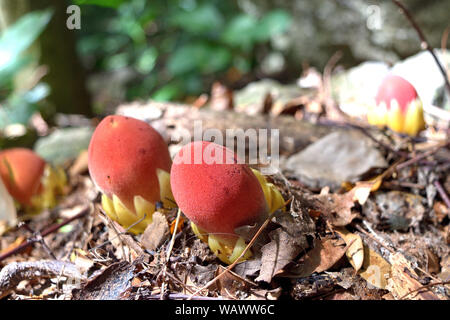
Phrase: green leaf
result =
(102, 3)
(240, 31)
(198, 56)
(19, 37)
(19, 107)
(117, 61)
(147, 60)
(166, 93)
(203, 19)
(272, 24)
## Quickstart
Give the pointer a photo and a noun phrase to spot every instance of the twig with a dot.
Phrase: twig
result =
(420, 156)
(37, 237)
(443, 194)
(169, 252)
(424, 43)
(180, 296)
(15, 272)
(427, 287)
(44, 233)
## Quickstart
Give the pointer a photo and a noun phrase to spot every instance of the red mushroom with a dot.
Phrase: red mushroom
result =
(21, 171)
(29, 180)
(130, 163)
(398, 106)
(218, 195)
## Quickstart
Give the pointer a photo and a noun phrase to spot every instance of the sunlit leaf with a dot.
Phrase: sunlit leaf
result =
(205, 18)
(272, 24)
(240, 31)
(27, 29)
(102, 3)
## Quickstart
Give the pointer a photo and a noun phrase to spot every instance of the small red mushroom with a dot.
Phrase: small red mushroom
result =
(398, 106)
(130, 163)
(21, 171)
(218, 195)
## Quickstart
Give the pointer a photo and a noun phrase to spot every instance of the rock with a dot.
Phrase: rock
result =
(63, 144)
(338, 157)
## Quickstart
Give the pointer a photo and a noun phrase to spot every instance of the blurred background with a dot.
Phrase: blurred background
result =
(88, 58)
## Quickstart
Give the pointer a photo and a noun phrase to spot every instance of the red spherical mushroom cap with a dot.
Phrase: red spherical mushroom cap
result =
(21, 171)
(215, 191)
(123, 157)
(396, 88)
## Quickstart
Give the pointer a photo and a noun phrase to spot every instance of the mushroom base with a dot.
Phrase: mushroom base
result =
(53, 184)
(138, 219)
(228, 249)
(409, 122)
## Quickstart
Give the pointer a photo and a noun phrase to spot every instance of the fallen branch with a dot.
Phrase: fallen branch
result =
(15, 272)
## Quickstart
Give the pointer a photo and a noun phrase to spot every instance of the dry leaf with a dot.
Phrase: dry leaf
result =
(375, 270)
(355, 251)
(335, 208)
(230, 283)
(109, 284)
(324, 255)
(156, 232)
(404, 281)
(286, 244)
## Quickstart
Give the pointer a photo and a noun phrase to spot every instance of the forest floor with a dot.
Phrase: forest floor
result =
(370, 220)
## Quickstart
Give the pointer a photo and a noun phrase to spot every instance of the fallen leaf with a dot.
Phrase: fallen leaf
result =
(13, 245)
(201, 275)
(109, 284)
(323, 256)
(403, 282)
(339, 156)
(355, 251)
(279, 252)
(230, 283)
(335, 208)
(375, 270)
(156, 232)
(180, 225)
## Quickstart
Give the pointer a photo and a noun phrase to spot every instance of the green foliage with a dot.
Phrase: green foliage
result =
(17, 104)
(102, 3)
(176, 47)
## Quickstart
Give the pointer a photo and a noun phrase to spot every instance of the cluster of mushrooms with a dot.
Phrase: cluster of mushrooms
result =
(130, 164)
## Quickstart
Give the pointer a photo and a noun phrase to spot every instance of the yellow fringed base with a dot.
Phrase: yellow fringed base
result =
(228, 250)
(410, 123)
(53, 182)
(118, 212)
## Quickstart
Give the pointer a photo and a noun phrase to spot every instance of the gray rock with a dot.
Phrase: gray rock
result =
(63, 144)
(338, 157)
